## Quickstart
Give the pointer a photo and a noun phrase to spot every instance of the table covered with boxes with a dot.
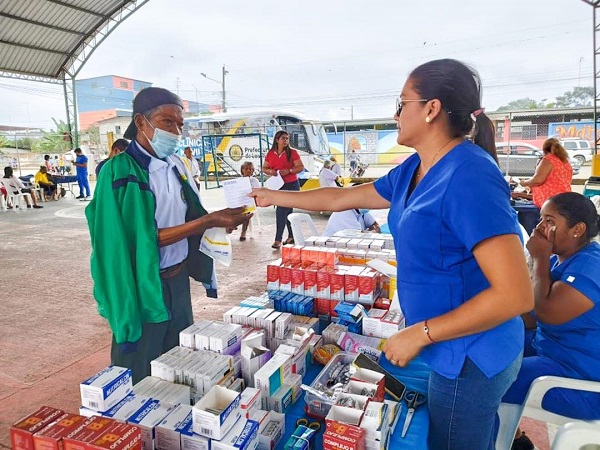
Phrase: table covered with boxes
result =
(297, 367)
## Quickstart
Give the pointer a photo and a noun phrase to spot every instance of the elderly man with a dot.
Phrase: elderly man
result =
(192, 164)
(145, 222)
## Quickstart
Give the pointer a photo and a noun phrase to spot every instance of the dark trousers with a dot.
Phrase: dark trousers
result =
(157, 338)
(282, 213)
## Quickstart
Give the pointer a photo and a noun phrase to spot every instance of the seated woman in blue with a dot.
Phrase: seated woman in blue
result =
(566, 281)
(462, 278)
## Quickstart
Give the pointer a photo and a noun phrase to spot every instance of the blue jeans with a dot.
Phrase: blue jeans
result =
(282, 213)
(84, 185)
(462, 411)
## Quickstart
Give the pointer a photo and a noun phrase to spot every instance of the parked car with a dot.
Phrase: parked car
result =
(578, 149)
(521, 159)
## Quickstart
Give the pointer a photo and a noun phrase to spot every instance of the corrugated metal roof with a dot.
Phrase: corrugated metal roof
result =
(45, 37)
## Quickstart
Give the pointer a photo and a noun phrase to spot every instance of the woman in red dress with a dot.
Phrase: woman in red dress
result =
(553, 173)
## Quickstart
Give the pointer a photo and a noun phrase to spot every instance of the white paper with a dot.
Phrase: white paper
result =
(236, 193)
(216, 243)
(275, 182)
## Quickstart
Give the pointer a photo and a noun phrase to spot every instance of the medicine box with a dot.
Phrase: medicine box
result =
(147, 417)
(21, 433)
(87, 432)
(215, 414)
(106, 388)
(51, 437)
(168, 431)
(119, 436)
(243, 436)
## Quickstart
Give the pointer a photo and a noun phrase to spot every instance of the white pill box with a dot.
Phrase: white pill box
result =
(243, 436)
(216, 413)
(107, 388)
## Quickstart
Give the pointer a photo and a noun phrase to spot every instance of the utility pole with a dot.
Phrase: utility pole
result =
(177, 83)
(223, 105)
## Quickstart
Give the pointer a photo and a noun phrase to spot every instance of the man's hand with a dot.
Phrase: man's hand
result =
(229, 218)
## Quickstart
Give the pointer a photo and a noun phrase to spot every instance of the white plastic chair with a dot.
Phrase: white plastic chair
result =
(35, 187)
(577, 436)
(510, 415)
(15, 198)
(298, 221)
(2, 201)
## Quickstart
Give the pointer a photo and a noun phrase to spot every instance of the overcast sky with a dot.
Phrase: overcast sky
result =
(327, 57)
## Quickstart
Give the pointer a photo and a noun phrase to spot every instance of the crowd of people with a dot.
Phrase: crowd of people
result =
(484, 324)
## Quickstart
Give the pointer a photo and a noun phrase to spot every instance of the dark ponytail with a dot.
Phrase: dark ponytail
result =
(458, 87)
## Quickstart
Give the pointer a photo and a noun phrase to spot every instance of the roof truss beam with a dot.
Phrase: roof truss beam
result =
(76, 8)
(40, 24)
(33, 47)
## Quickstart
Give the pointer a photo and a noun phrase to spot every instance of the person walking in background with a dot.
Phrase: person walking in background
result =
(247, 170)
(141, 264)
(192, 164)
(335, 167)
(353, 159)
(118, 147)
(48, 164)
(61, 165)
(462, 278)
(553, 174)
(566, 280)
(80, 163)
(283, 160)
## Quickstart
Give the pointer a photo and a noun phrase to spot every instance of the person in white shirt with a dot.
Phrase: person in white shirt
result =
(13, 183)
(335, 167)
(247, 170)
(192, 164)
(352, 219)
(327, 176)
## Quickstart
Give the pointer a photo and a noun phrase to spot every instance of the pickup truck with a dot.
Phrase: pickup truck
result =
(522, 159)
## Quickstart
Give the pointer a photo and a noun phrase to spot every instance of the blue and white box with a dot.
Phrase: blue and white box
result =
(168, 431)
(107, 388)
(147, 417)
(216, 413)
(243, 436)
(126, 407)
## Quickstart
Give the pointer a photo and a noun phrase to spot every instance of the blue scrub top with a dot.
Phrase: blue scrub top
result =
(576, 344)
(80, 160)
(462, 201)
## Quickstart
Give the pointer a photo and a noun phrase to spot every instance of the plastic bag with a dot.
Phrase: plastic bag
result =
(216, 243)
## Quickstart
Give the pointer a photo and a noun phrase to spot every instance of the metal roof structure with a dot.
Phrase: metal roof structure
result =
(51, 40)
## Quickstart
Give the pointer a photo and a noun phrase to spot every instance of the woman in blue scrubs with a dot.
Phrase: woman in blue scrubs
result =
(462, 277)
(566, 280)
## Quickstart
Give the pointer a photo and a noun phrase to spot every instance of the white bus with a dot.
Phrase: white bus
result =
(306, 135)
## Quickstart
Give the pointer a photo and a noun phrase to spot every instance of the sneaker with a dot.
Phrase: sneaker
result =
(80, 197)
(37, 206)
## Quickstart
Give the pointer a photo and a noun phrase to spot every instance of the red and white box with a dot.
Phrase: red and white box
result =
(273, 275)
(351, 284)
(285, 277)
(51, 437)
(370, 376)
(324, 283)
(21, 433)
(296, 254)
(368, 286)
(298, 279)
(310, 280)
(336, 289)
(322, 305)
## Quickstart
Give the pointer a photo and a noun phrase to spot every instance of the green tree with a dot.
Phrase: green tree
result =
(4, 142)
(579, 96)
(522, 104)
(53, 141)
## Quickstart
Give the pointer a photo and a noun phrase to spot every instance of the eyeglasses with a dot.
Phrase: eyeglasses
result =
(400, 103)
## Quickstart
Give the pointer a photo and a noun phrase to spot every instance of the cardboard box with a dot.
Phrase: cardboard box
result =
(281, 400)
(324, 283)
(341, 436)
(370, 376)
(376, 421)
(310, 281)
(341, 414)
(21, 433)
(94, 427)
(168, 431)
(285, 277)
(105, 389)
(51, 437)
(119, 436)
(253, 355)
(126, 407)
(215, 414)
(337, 282)
(273, 275)
(271, 376)
(193, 441)
(146, 420)
(243, 436)
(250, 401)
(273, 430)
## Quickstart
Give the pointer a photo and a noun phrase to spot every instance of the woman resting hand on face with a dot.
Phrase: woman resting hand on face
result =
(566, 282)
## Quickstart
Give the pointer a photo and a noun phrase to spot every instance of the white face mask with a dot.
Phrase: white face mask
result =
(163, 143)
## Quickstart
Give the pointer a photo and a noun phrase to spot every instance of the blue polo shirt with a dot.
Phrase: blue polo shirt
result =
(81, 159)
(575, 345)
(462, 201)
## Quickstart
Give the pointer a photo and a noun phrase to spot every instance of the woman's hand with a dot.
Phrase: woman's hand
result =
(403, 346)
(261, 196)
(539, 244)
